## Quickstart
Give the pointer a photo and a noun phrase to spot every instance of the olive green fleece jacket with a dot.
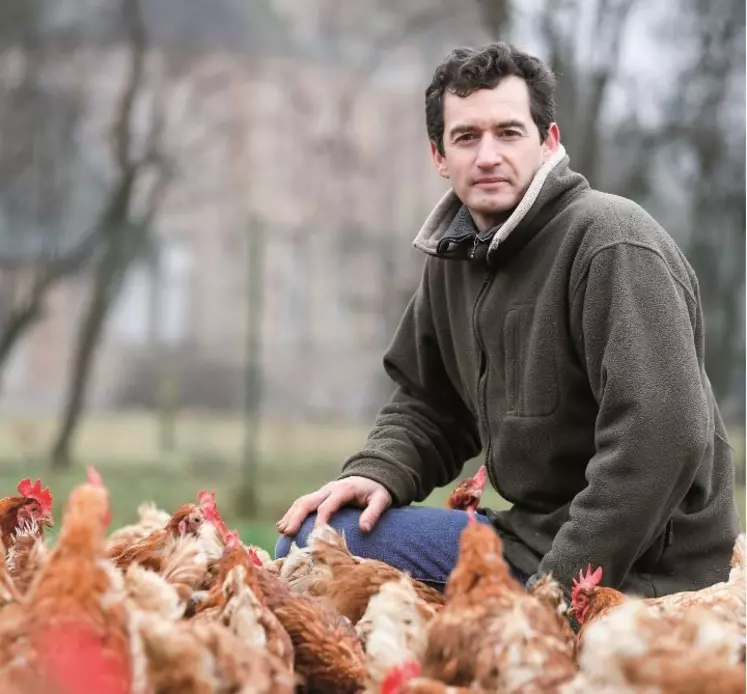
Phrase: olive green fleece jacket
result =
(568, 346)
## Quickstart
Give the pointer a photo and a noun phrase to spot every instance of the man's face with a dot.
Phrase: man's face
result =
(492, 148)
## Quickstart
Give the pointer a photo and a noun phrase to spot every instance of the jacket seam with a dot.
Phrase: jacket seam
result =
(636, 244)
(723, 439)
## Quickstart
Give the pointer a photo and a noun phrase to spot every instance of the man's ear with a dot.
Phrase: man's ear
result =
(439, 161)
(552, 141)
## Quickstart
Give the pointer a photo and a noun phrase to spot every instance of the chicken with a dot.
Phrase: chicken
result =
(193, 658)
(152, 550)
(393, 628)
(726, 600)
(234, 554)
(150, 592)
(169, 592)
(246, 615)
(26, 556)
(467, 495)
(150, 518)
(636, 650)
(32, 505)
(9, 593)
(349, 582)
(237, 600)
(296, 568)
(492, 633)
(405, 679)
(213, 536)
(77, 602)
(551, 593)
(186, 565)
(327, 652)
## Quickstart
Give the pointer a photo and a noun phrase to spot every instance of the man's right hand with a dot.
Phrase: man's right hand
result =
(359, 491)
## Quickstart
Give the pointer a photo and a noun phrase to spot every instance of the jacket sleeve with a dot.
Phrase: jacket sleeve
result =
(640, 338)
(425, 433)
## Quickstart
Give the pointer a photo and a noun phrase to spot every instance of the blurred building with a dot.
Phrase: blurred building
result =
(337, 199)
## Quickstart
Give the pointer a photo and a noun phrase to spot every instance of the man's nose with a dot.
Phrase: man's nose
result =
(488, 152)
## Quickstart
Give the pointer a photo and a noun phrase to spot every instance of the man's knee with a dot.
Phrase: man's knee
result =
(344, 521)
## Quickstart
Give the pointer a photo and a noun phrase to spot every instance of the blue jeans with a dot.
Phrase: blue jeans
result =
(421, 540)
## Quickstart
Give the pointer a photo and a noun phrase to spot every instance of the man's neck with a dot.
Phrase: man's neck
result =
(486, 222)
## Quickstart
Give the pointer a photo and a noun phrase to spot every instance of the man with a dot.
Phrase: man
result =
(559, 329)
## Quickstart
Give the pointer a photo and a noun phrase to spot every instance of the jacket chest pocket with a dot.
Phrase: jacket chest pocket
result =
(530, 371)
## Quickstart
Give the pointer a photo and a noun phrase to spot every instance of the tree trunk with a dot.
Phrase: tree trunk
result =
(19, 321)
(88, 338)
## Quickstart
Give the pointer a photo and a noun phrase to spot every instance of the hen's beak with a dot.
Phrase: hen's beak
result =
(47, 520)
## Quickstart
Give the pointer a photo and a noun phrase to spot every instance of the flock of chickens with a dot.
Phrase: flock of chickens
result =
(177, 604)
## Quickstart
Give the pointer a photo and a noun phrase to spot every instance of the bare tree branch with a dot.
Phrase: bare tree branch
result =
(122, 237)
(610, 23)
(122, 139)
(382, 46)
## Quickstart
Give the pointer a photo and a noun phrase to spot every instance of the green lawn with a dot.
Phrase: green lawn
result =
(295, 459)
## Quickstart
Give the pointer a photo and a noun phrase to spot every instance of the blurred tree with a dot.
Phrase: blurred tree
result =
(165, 115)
(40, 241)
(585, 67)
(704, 136)
(125, 231)
(496, 17)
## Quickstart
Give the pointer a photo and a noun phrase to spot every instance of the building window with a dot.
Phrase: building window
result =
(155, 306)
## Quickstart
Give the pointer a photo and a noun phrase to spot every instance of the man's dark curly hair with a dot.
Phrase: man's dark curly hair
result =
(466, 70)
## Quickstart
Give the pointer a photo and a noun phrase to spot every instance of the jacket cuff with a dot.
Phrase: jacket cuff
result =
(386, 474)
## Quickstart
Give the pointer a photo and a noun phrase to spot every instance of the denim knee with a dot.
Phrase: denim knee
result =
(344, 521)
(282, 546)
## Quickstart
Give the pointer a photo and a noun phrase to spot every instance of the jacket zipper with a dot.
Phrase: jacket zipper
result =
(482, 376)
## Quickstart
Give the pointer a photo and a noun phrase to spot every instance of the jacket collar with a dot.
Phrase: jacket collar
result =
(439, 221)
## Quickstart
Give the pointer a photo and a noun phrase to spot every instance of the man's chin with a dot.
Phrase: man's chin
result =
(492, 205)
(496, 211)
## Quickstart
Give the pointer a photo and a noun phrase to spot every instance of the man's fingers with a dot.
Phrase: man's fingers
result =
(332, 504)
(380, 501)
(291, 522)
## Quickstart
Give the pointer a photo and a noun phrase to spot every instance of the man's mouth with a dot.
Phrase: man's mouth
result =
(490, 181)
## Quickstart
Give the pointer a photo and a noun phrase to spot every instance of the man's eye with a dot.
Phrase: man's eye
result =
(510, 134)
(466, 137)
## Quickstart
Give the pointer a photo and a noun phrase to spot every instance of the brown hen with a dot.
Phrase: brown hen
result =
(33, 506)
(327, 652)
(491, 633)
(348, 582)
(152, 550)
(725, 600)
(77, 604)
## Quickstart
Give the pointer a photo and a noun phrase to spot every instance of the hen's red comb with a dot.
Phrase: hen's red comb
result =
(94, 477)
(212, 515)
(255, 558)
(481, 477)
(398, 676)
(34, 491)
(586, 582)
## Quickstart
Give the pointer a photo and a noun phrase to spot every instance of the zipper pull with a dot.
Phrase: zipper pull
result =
(473, 250)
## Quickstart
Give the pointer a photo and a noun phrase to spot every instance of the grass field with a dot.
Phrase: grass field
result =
(294, 459)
